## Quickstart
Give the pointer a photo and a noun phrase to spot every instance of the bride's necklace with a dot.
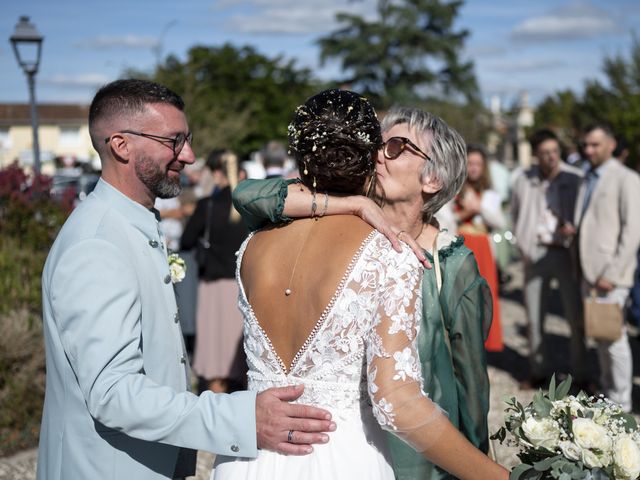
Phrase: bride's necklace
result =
(288, 291)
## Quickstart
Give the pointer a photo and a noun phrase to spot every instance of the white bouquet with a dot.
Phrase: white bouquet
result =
(568, 437)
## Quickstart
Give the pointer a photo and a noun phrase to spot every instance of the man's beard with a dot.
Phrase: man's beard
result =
(155, 179)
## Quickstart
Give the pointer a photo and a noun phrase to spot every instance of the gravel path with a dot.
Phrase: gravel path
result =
(506, 369)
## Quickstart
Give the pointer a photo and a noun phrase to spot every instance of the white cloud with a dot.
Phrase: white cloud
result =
(292, 17)
(89, 80)
(485, 50)
(484, 9)
(578, 19)
(526, 65)
(125, 41)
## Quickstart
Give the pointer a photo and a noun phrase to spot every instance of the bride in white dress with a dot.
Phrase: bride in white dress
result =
(328, 303)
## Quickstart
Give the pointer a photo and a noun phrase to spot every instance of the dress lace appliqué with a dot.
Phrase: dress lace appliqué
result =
(363, 342)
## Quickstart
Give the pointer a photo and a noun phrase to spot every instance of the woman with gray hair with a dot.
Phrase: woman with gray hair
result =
(421, 165)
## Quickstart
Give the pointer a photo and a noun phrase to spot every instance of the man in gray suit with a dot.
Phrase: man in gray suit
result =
(117, 401)
(543, 203)
(608, 239)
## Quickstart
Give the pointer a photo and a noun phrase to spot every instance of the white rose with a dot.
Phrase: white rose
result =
(570, 450)
(592, 460)
(589, 435)
(541, 433)
(626, 456)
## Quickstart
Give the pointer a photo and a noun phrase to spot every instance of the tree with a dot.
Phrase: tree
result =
(235, 97)
(409, 52)
(470, 119)
(561, 113)
(616, 101)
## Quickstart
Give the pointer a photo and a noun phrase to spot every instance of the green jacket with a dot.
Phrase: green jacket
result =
(456, 380)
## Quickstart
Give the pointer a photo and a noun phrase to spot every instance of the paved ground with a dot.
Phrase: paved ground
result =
(506, 369)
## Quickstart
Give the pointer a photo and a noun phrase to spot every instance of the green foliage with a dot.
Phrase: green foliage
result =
(22, 377)
(471, 119)
(235, 97)
(541, 404)
(29, 221)
(409, 51)
(616, 102)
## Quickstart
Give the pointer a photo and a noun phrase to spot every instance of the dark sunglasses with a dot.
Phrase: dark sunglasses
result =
(393, 147)
(177, 142)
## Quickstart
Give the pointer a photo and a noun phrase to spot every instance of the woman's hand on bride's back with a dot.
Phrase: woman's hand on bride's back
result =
(370, 212)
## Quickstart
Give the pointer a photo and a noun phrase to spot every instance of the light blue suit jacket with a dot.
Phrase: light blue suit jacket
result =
(117, 404)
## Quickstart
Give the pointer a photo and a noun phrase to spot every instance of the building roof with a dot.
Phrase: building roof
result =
(14, 114)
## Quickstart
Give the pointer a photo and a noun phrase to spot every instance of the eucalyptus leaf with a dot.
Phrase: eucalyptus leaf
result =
(552, 387)
(544, 465)
(563, 388)
(598, 474)
(541, 405)
(629, 421)
(524, 472)
(500, 435)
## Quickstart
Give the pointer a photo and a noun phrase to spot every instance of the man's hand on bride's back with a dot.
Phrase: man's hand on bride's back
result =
(276, 418)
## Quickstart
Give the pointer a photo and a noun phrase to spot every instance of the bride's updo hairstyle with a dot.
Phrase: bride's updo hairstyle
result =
(334, 138)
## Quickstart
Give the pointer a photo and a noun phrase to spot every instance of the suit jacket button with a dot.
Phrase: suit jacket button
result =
(183, 359)
(176, 317)
(167, 279)
(235, 448)
(153, 243)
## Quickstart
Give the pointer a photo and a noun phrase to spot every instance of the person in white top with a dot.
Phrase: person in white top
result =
(542, 209)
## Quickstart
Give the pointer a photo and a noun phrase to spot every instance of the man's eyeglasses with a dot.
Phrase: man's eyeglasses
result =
(393, 147)
(177, 142)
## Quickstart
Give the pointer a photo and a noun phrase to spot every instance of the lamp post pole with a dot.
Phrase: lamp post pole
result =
(24, 37)
(31, 80)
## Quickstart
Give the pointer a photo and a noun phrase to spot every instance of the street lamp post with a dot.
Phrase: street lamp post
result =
(27, 47)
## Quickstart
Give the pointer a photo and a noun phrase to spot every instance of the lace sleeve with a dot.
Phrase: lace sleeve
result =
(260, 202)
(393, 366)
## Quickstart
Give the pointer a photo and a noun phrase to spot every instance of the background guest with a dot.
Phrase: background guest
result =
(218, 357)
(608, 241)
(542, 208)
(478, 210)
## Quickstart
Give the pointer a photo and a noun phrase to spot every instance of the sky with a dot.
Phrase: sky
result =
(537, 46)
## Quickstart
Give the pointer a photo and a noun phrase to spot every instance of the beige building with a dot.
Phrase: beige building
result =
(63, 132)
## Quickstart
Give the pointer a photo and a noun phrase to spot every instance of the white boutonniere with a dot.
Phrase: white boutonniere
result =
(177, 267)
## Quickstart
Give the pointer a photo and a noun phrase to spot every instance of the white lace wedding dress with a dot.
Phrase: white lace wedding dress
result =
(359, 362)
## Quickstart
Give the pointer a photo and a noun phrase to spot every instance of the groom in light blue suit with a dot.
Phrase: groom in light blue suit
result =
(117, 403)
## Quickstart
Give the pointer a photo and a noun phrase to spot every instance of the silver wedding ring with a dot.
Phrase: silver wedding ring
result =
(290, 436)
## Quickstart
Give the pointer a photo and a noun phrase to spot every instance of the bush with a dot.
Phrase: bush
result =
(22, 376)
(29, 222)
